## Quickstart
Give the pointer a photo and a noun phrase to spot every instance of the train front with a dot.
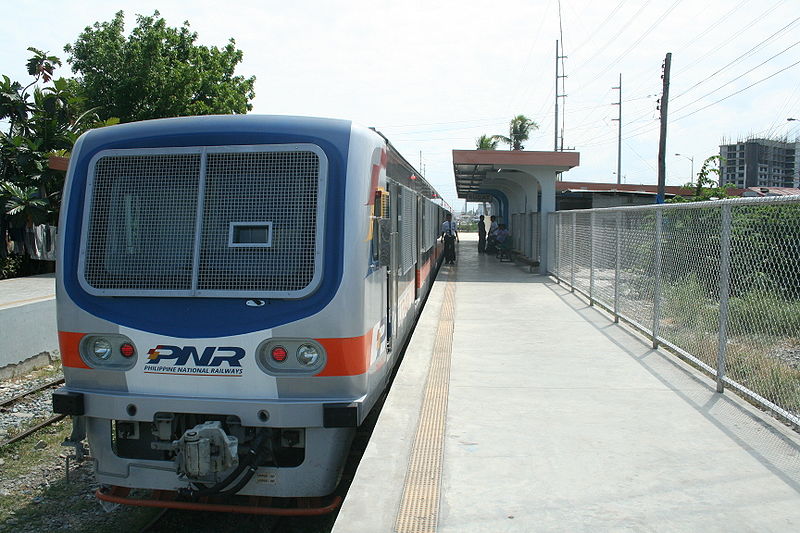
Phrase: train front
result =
(212, 341)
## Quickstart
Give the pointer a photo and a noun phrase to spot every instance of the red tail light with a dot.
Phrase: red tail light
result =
(279, 354)
(127, 350)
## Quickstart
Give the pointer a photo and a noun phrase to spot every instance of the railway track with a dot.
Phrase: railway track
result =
(5, 404)
(173, 519)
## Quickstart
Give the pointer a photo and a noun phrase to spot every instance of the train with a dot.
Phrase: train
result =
(233, 293)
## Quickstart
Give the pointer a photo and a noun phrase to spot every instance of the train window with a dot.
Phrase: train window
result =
(250, 234)
(377, 210)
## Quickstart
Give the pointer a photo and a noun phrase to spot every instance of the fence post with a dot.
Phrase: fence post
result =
(724, 293)
(591, 258)
(574, 245)
(555, 263)
(657, 281)
(618, 263)
(558, 246)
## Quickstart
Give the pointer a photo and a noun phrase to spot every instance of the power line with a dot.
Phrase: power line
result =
(626, 25)
(742, 56)
(737, 92)
(740, 76)
(443, 123)
(648, 128)
(733, 35)
(601, 25)
(637, 154)
(643, 128)
(714, 24)
(522, 93)
(658, 21)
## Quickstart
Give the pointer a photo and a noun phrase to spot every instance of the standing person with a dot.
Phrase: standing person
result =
(449, 236)
(493, 225)
(481, 235)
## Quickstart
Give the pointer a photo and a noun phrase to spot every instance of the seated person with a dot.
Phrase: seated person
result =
(503, 242)
(502, 234)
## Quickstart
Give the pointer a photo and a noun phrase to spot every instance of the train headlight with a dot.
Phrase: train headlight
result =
(101, 348)
(109, 351)
(307, 355)
(288, 356)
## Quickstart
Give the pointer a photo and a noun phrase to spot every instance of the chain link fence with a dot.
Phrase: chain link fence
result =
(718, 282)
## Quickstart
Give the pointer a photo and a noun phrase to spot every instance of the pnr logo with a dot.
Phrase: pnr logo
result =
(211, 357)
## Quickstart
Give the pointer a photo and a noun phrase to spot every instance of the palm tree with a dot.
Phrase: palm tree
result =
(23, 205)
(519, 129)
(487, 142)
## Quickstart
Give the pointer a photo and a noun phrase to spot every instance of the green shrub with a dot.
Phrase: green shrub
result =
(764, 313)
(11, 266)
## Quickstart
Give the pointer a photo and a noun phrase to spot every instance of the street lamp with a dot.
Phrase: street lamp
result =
(691, 176)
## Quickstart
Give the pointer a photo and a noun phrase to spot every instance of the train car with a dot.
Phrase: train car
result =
(233, 293)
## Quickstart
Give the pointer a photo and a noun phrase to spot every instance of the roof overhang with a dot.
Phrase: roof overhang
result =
(471, 167)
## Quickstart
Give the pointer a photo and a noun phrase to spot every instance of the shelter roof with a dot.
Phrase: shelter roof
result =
(472, 166)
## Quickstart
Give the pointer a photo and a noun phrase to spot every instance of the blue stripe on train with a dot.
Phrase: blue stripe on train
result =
(212, 317)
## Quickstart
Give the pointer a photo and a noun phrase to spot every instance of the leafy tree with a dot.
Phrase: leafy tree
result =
(487, 142)
(157, 71)
(519, 130)
(41, 120)
(707, 187)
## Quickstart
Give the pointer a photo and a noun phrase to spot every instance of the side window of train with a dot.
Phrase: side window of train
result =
(382, 230)
(376, 227)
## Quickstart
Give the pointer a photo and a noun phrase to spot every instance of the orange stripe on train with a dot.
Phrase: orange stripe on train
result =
(68, 343)
(347, 357)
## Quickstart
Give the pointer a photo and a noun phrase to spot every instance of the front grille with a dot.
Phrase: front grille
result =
(151, 231)
(142, 222)
(252, 187)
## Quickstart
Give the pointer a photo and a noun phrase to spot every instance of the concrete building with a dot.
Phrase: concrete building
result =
(589, 195)
(756, 162)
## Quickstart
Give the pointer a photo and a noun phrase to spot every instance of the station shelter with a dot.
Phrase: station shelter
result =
(521, 186)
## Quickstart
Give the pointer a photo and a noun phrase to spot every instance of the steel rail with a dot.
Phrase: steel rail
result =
(30, 431)
(40, 388)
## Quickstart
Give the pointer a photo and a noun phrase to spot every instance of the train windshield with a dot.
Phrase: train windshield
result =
(204, 222)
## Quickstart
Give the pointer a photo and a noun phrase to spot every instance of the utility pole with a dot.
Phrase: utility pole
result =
(555, 127)
(619, 131)
(563, 94)
(662, 141)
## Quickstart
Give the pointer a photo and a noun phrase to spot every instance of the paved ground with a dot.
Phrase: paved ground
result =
(28, 329)
(21, 291)
(559, 420)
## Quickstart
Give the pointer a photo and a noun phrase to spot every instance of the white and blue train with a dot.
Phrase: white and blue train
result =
(233, 292)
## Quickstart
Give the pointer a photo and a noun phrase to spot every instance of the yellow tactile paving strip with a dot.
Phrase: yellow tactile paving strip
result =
(27, 301)
(419, 507)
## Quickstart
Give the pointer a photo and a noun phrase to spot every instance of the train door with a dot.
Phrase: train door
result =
(393, 263)
(420, 258)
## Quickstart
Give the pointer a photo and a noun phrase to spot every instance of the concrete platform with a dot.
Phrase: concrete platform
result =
(28, 331)
(559, 420)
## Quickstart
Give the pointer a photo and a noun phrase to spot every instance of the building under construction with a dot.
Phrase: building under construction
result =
(760, 162)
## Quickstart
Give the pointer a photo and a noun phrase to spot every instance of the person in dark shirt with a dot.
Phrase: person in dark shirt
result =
(450, 236)
(481, 236)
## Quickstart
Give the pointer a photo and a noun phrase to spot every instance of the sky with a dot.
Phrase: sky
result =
(435, 75)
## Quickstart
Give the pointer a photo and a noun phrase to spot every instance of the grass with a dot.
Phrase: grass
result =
(46, 495)
(760, 324)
